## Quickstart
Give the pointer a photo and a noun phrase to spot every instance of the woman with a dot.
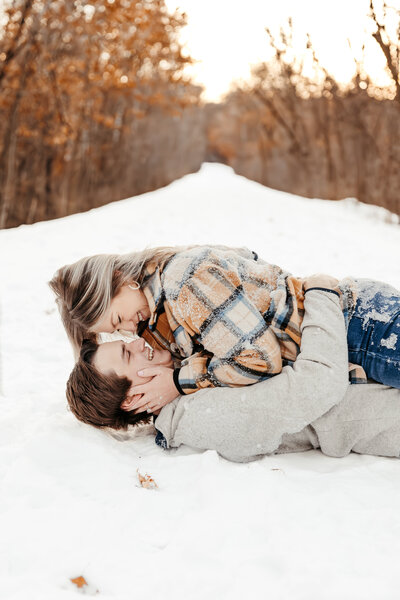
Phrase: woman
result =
(235, 320)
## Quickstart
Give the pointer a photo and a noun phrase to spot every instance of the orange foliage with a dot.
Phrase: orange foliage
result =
(70, 70)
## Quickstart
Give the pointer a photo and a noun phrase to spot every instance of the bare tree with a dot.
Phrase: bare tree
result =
(304, 133)
(389, 47)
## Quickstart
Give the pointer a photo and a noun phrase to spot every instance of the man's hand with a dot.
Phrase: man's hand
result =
(155, 393)
(320, 280)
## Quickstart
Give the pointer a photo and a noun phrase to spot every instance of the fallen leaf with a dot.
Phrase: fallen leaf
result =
(84, 587)
(146, 481)
(79, 581)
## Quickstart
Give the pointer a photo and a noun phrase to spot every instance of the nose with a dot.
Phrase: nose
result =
(129, 326)
(137, 345)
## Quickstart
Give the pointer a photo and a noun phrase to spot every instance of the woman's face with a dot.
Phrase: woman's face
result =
(127, 309)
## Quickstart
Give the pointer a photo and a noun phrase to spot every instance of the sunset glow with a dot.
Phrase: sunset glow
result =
(227, 36)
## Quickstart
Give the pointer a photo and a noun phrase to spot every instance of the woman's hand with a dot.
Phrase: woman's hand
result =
(320, 280)
(155, 393)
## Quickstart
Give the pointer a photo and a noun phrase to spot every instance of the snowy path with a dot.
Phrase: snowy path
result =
(295, 526)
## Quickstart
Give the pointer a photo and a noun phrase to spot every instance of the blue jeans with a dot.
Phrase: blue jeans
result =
(373, 336)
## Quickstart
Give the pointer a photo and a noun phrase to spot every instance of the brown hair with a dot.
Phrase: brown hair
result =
(95, 398)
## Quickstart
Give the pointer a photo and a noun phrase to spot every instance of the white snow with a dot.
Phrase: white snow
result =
(390, 342)
(367, 303)
(296, 526)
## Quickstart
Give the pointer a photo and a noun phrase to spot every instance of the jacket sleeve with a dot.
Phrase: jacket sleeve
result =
(243, 424)
(239, 347)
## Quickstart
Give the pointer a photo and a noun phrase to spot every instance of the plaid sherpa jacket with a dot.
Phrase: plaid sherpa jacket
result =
(235, 320)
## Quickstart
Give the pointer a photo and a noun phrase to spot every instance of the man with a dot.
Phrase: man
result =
(98, 387)
(309, 405)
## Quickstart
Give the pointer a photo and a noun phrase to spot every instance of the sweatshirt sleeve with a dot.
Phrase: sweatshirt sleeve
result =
(242, 424)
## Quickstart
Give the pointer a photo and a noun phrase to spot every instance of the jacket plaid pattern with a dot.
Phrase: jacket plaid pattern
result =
(235, 320)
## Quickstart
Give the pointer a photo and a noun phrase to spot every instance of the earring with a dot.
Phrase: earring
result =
(131, 287)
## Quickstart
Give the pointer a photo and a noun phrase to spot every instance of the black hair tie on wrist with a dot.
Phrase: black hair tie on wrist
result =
(323, 290)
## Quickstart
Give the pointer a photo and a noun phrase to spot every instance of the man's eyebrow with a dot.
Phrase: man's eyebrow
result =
(122, 351)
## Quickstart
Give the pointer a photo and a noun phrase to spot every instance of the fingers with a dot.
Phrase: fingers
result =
(139, 390)
(132, 396)
(141, 407)
(138, 404)
(144, 388)
(150, 386)
(130, 401)
(143, 397)
(151, 371)
(156, 393)
(148, 403)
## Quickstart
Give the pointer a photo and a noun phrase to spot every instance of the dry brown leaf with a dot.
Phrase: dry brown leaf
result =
(79, 581)
(146, 481)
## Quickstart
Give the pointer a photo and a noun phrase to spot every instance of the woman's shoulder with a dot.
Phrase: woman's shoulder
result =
(184, 264)
(189, 260)
(200, 261)
(212, 253)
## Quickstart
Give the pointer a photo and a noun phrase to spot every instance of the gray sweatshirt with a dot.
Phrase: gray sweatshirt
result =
(309, 405)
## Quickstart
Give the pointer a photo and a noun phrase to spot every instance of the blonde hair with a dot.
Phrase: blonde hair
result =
(84, 289)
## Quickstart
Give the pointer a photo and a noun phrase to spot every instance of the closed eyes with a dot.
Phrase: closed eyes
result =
(117, 323)
(126, 354)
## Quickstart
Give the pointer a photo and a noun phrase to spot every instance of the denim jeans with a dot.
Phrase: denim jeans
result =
(373, 335)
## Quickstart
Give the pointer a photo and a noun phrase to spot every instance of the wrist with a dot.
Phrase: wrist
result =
(175, 377)
(321, 281)
(322, 289)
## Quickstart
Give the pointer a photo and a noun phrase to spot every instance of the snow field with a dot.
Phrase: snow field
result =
(298, 526)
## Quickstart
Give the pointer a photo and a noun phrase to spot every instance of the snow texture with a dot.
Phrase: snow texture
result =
(367, 306)
(295, 526)
(390, 342)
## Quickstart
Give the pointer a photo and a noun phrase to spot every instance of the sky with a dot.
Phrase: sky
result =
(227, 36)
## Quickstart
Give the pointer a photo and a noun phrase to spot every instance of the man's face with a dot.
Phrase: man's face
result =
(127, 359)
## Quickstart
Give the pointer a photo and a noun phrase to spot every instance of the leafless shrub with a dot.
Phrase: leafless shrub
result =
(297, 129)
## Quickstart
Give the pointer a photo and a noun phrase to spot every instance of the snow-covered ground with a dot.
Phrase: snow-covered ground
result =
(299, 526)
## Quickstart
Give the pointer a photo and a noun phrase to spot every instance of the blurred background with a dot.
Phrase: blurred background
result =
(108, 99)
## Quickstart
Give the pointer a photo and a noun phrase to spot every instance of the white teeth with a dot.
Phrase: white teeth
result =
(150, 353)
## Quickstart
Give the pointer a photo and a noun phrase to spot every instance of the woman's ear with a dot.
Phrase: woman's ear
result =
(130, 401)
